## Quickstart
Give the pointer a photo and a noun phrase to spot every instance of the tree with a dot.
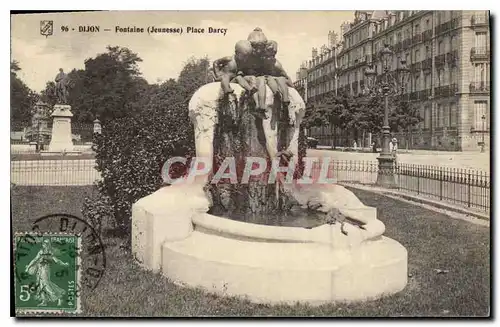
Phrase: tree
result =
(404, 118)
(109, 87)
(22, 98)
(48, 95)
(132, 149)
(332, 110)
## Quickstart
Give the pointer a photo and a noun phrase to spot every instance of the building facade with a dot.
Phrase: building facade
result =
(448, 53)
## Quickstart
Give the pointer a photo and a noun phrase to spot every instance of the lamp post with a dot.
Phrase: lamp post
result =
(483, 118)
(390, 83)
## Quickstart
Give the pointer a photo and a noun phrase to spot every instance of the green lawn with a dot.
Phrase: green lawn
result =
(433, 240)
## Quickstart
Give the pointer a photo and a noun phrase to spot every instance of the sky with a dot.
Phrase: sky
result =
(163, 55)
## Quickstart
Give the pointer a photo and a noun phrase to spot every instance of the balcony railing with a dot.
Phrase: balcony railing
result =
(416, 67)
(442, 28)
(417, 38)
(440, 59)
(480, 53)
(406, 43)
(427, 35)
(479, 87)
(397, 47)
(446, 90)
(427, 64)
(424, 94)
(479, 20)
(452, 58)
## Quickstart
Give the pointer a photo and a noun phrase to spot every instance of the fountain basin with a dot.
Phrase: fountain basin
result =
(266, 264)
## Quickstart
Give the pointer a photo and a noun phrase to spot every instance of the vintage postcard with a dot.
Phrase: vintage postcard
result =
(227, 164)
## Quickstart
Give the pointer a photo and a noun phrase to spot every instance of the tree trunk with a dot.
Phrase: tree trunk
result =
(240, 134)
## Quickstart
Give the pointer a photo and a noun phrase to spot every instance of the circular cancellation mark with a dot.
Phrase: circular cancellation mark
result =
(91, 252)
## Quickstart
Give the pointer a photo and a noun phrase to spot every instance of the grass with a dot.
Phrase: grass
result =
(433, 240)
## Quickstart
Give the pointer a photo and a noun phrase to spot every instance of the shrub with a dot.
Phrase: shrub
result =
(98, 212)
(130, 154)
(131, 151)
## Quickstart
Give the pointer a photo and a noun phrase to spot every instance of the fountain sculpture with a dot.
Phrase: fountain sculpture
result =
(226, 237)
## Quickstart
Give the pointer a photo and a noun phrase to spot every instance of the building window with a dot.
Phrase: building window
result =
(417, 55)
(446, 116)
(417, 29)
(453, 114)
(428, 24)
(480, 110)
(453, 43)
(407, 58)
(441, 17)
(427, 81)
(417, 82)
(427, 117)
(440, 47)
(453, 75)
(427, 52)
(421, 113)
(439, 112)
(481, 42)
(440, 77)
(482, 73)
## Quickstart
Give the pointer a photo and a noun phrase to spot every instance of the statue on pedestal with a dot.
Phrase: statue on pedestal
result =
(62, 84)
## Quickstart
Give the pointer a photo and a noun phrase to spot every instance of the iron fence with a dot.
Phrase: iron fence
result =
(53, 172)
(465, 187)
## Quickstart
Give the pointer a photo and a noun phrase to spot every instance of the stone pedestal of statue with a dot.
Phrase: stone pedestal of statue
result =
(61, 129)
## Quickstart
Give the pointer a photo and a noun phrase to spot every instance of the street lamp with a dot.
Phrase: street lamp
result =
(390, 83)
(483, 118)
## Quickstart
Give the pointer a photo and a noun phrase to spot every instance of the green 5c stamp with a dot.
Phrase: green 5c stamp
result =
(47, 268)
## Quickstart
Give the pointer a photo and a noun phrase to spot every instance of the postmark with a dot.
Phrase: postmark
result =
(88, 251)
(49, 271)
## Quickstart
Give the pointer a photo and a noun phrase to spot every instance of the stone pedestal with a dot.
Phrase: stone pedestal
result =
(61, 129)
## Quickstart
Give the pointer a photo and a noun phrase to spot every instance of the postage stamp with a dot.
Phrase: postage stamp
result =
(48, 272)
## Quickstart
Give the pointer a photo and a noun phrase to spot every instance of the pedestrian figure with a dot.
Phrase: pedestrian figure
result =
(394, 145)
(355, 145)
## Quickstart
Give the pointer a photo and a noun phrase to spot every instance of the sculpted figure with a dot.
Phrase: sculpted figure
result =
(266, 65)
(254, 65)
(61, 87)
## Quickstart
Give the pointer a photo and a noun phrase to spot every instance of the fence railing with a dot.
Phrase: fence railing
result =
(464, 187)
(53, 172)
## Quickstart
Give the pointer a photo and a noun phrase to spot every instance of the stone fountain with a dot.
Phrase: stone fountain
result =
(205, 234)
